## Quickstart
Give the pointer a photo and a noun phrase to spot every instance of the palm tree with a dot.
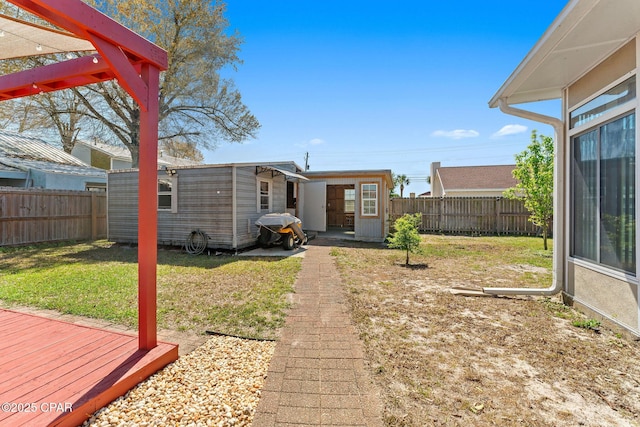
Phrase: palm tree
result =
(401, 180)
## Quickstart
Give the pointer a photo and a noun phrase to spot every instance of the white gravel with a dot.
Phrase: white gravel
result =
(217, 384)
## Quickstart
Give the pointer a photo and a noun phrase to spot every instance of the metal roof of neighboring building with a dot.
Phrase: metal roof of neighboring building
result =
(477, 177)
(17, 146)
(20, 152)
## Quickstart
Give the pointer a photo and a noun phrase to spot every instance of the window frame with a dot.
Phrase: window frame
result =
(376, 200)
(173, 193)
(353, 209)
(597, 124)
(269, 182)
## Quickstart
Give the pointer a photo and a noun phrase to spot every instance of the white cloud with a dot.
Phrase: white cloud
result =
(457, 134)
(509, 130)
(314, 141)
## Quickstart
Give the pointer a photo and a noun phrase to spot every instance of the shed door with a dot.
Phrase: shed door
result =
(315, 211)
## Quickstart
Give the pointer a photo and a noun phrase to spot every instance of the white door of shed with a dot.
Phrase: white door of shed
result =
(315, 206)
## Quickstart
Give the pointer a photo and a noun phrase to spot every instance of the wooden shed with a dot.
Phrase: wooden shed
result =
(356, 200)
(224, 201)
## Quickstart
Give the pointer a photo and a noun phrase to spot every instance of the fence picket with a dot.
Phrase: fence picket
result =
(35, 215)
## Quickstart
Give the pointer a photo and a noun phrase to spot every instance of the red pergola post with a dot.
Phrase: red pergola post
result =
(137, 64)
(148, 212)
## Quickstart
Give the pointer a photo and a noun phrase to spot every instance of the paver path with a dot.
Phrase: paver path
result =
(317, 375)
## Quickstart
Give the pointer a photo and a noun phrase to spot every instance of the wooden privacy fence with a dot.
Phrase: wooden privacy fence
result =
(468, 215)
(32, 216)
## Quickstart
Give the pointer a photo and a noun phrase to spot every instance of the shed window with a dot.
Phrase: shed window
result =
(369, 193)
(349, 200)
(264, 195)
(603, 187)
(167, 198)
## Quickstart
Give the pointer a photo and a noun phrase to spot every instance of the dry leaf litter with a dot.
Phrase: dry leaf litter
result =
(218, 384)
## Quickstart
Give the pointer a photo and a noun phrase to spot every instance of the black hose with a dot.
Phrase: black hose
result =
(196, 242)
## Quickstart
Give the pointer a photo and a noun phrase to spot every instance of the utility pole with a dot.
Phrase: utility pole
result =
(306, 161)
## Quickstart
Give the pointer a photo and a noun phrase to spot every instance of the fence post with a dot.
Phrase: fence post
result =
(441, 214)
(497, 210)
(94, 216)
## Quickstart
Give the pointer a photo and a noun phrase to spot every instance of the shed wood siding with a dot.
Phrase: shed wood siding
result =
(122, 207)
(247, 202)
(205, 202)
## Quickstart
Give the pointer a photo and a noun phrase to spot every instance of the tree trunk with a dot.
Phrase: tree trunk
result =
(135, 155)
(407, 260)
(544, 237)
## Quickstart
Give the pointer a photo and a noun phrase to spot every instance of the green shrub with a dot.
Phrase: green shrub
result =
(406, 236)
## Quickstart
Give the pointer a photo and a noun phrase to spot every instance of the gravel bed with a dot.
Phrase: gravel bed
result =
(217, 384)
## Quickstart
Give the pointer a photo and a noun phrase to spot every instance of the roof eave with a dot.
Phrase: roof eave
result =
(549, 49)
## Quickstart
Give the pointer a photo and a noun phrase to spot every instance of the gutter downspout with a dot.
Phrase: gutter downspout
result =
(558, 204)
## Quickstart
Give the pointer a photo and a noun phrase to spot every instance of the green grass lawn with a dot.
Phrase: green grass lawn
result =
(244, 296)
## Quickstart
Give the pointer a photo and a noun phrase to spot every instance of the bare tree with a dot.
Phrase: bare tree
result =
(197, 106)
(181, 150)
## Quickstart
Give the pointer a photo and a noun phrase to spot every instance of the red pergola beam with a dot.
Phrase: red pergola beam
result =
(63, 75)
(137, 64)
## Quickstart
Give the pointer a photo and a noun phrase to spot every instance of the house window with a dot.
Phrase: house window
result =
(609, 100)
(167, 198)
(349, 200)
(603, 189)
(264, 195)
(369, 199)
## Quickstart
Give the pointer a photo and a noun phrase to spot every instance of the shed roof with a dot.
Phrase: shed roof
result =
(477, 177)
(584, 34)
(352, 173)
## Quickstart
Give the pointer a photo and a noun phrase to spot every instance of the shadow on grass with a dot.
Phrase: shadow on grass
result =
(47, 255)
(420, 266)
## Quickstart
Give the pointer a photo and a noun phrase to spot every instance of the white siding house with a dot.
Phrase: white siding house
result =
(588, 59)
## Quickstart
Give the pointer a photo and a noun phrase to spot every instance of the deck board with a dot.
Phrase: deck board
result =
(68, 365)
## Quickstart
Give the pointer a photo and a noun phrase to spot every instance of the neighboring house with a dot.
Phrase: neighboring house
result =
(113, 157)
(588, 59)
(225, 201)
(29, 162)
(471, 181)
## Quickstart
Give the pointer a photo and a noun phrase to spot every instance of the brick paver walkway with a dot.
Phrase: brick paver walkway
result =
(317, 375)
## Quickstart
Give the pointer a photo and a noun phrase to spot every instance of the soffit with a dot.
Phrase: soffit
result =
(583, 35)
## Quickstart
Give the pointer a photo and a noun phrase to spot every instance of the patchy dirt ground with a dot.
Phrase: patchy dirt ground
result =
(447, 360)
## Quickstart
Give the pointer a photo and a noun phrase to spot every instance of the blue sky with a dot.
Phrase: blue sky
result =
(383, 85)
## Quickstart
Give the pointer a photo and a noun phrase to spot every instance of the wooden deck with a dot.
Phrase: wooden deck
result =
(54, 373)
